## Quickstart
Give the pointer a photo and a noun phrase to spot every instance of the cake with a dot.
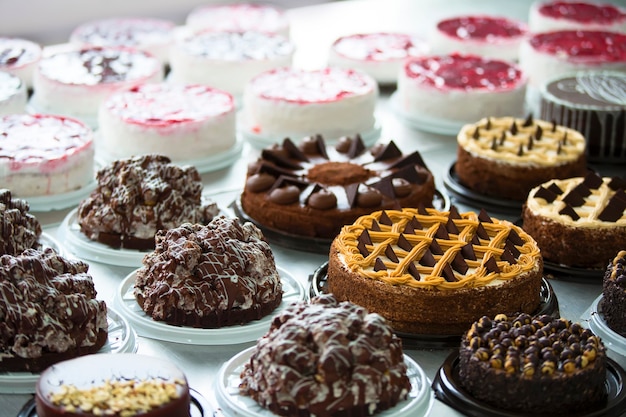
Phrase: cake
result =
(312, 189)
(240, 17)
(613, 303)
(210, 276)
(13, 94)
(183, 122)
(228, 60)
(154, 36)
(136, 197)
(19, 229)
(506, 157)
(113, 385)
(332, 102)
(75, 82)
(545, 16)
(326, 359)
(379, 54)
(49, 311)
(525, 364)
(435, 272)
(460, 88)
(42, 155)
(19, 57)
(578, 222)
(494, 37)
(594, 103)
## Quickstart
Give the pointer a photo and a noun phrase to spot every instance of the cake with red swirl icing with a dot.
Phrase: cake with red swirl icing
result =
(312, 189)
(19, 229)
(49, 311)
(20, 58)
(546, 16)
(613, 302)
(326, 359)
(217, 275)
(242, 17)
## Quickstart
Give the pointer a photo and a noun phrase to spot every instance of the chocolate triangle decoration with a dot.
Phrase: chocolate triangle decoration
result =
(513, 129)
(476, 134)
(451, 227)
(441, 232)
(491, 265)
(408, 173)
(280, 159)
(414, 272)
(475, 240)
(415, 224)
(288, 180)
(510, 247)
(356, 147)
(554, 125)
(390, 151)
(488, 124)
(375, 227)
(484, 217)
(362, 249)
(529, 120)
(555, 189)
(569, 211)
(620, 194)
(538, 133)
(412, 159)
(559, 148)
(494, 144)
(421, 209)
(352, 190)
(306, 194)
(616, 183)
(614, 210)
(574, 199)
(502, 138)
(582, 189)
(520, 150)
(453, 213)
(593, 181)
(564, 140)
(459, 264)
(514, 238)
(428, 259)
(389, 252)
(385, 186)
(293, 150)
(365, 237)
(530, 142)
(468, 252)
(509, 257)
(379, 265)
(403, 243)
(481, 232)
(448, 274)
(384, 219)
(546, 194)
(435, 248)
(274, 170)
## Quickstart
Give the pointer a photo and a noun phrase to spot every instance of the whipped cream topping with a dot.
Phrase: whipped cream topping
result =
(239, 17)
(10, 86)
(486, 28)
(16, 53)
(582, 11)
(379, 46)
(237, 46)
(124, 32)
(582, 46)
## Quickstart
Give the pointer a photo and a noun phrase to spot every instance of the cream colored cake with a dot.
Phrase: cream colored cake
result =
(13, 94)
(241, 17)
(20, 58)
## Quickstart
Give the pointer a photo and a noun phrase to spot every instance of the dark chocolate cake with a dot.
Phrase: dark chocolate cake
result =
(613, 304)
(19, 230)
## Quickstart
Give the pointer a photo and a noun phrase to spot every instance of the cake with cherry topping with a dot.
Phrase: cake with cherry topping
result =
(13, 95)
(506, 157)
(42, 155)
(525, 364)
(20, 58)
(242, 17)
(49, 311)
(546, 16)
(326, 359)
(19, 229)
(312, 189)
(613, 302)
(435, 272)
(578, 222)
(183, 122)
(137, 197)
(217, 275)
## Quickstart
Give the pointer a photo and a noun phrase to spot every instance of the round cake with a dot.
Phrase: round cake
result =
(49, 311)
(326, 359)
(506, 157)
(525, 364)
(210, 276)
(183, 122)
(45, 154)
(13, 95)
(115, 385)
(594, 103)
(578, 222)
(613, 303)
(435, 272)
(19, 57)
(461, 88)
(493, 37)
(19, 229)
(552, 15)
(332, 102)
(313, 189)
(228, 60)
(241, 17)
(379, 54)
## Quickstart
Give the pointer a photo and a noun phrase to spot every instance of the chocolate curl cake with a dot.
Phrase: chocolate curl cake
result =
(19, 230)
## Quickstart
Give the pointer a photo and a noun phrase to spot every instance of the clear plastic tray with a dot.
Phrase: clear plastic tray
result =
(613, 341)
(45, 203)
(428, 124)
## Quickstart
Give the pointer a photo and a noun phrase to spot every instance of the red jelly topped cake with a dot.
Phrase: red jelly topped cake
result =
(239, 17)
(19, 57)
(560, 14)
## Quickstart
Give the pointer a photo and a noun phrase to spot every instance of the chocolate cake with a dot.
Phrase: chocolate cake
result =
(433, 272)
(19, 229)
(209, 276)
(326, 359)
(139, 196)
(613, 303)
(290, 185)
(48, 311)
(527, 364)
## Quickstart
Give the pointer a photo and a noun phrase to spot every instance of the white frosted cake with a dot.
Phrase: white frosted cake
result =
(228, 60)
(332, 102)
(239, 17)
(44, 154)
(182, 122)
(12, 94)
(19, 57)
(546, 16)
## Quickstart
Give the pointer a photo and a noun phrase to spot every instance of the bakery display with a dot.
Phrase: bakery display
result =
(210, 276)
(13, 94)
(44, 155)
(183, 122)
(19, 57)
(505, 157)
(435, 272)
(590, 102)
(526, 364)
(49, 311)
(326, 358)
(578, 222)
(545, 16)
(613, 303)
(241, 17)
(19, 229)
(379, 54)
(290, 102)
(292, 184)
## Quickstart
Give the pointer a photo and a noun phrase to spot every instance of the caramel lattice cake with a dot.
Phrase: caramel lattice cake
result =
(434, 272)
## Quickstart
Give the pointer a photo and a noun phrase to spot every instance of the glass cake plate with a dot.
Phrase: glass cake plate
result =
(430, 124)
(227, 397)
(124, 300)
(45, 203)
(121, 339)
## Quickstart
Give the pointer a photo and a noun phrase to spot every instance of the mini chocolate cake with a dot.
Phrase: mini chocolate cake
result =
(613, 304)
(209, 276)
(48, 311)
(326, 359)
(139, 196)
(19, 230)
(313, 190)
(533, 365)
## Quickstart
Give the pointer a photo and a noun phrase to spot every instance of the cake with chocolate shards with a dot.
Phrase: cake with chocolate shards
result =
(613, 304)
(19, 230)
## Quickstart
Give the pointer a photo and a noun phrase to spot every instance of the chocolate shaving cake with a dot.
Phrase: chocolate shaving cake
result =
(533, 365)
(326, 359)
(19, 230)
(209, 276)
(48, 311)
(613, 303)
(312, 189)
(139, 196)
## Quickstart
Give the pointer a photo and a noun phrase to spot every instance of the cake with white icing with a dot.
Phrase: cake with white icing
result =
(545, 16)
(19, 57)
(13, 95)
(239, 17)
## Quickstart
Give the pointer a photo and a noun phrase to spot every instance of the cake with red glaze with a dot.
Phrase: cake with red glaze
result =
(460, 88)
(45, 154)
(379, 54)
(290, 102)
(183, 122)
(20, 58)
(19, 229)
(546, 16)
(493, 37)
(13, 95)
(241, 17)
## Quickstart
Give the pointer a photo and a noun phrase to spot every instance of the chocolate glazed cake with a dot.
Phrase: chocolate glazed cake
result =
(613, 304)
(19, 230)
